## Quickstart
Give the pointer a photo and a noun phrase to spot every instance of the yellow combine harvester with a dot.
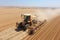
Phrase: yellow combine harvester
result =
(29, 23)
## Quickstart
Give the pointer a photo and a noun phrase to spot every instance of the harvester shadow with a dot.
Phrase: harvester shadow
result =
(19, 28)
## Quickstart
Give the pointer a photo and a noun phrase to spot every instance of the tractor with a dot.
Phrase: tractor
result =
(29, 23)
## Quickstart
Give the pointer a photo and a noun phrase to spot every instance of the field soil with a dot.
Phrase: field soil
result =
(48, 31)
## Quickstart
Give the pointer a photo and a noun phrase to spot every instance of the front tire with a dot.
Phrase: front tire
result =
(31, 32)
(24, 29)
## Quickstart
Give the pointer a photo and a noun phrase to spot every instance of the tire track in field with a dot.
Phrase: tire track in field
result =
(29, 36)
(36, 36)
(8, 22)
(18, 36)
(41, 30)
(57, 36)
(8, 33)
(5, 27)
(43, 38)
(7, 36)
(13, 22)
(46, 32)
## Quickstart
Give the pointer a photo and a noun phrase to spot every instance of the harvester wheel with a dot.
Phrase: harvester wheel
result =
(24, 29)
(31, 32)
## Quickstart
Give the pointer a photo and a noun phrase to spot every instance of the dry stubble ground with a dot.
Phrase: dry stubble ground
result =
(8, 18)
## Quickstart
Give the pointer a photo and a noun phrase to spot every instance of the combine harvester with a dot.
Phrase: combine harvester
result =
(30, 23)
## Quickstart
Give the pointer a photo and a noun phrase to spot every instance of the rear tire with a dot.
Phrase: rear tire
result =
(24, 29)
(31, 32)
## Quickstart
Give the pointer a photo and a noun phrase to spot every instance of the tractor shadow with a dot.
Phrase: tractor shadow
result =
(19, 28)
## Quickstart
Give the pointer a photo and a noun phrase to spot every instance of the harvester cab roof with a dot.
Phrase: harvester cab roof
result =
(27, 14)
(26, 17)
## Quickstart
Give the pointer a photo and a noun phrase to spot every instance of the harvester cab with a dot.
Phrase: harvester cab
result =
(27, 19)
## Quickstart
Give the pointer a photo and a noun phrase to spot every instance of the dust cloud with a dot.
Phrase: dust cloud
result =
(47, 14)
